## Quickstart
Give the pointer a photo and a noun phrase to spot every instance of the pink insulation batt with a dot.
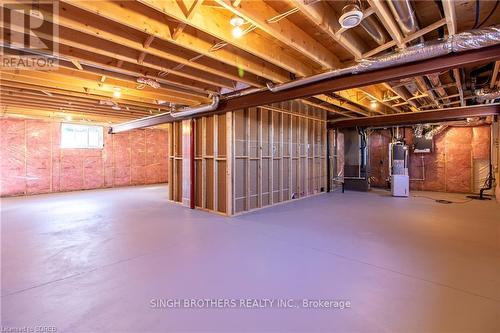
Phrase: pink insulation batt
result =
(447, 169)
(32, 161)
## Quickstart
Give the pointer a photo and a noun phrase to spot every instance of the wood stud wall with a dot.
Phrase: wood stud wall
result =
(275, 153)
(212, 167)
(279, 154)
(175, 162)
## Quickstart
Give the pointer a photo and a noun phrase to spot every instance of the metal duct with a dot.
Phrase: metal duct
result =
(464, 41)
(374, 29)
(405, 15)
(487, 94)
(189, 111)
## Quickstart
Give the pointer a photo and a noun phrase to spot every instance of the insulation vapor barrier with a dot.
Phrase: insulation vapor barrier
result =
(32, 161)
(458, 163)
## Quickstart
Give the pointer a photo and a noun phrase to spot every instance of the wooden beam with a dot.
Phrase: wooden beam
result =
(27, 94)
(440, 115)
(375, 94)
(219, 27)
(328, 108)
(50, 91)
(387, 20)
(60, 107)
(246, 9)
(77, 64)
(148, 41)
(407, 39)
(20, 111)
(72, 47)
(353, 81)
(80, 81)
(256, 12)
(451, 23)
(449, 14)
(494, 76)
(128, 14)
(342, 104)
(178, 30)
(321, 14)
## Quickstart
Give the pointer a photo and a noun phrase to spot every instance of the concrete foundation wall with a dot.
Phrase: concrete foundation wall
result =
(460, 157)
(32, 161)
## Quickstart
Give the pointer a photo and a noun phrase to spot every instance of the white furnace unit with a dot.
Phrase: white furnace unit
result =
(400, 180)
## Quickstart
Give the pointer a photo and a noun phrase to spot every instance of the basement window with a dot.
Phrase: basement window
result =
(81, 136)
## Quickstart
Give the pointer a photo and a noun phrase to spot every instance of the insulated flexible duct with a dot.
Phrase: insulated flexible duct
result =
(487, 94)
(461, 42)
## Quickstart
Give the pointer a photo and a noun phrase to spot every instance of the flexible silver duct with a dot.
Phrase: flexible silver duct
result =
(405, 15)
(487, 94)
(189, 111)
(374, 29)
(464, 41)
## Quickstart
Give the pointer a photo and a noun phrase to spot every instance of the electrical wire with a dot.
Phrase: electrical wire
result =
(489, 15)
(442, 200)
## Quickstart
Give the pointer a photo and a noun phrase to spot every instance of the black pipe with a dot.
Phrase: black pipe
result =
(328, 161)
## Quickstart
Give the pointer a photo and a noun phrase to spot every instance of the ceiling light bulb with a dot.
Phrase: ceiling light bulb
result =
(69, 118)
(236, 21)
(237, 32)
(117, 92)
(373, 104)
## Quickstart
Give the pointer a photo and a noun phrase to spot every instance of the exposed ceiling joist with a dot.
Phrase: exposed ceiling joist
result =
(256, 12)
(125, 13)
(341, 83)
(252, 43)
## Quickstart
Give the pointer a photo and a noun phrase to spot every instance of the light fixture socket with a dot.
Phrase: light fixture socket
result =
(236, 21)
(352, 15)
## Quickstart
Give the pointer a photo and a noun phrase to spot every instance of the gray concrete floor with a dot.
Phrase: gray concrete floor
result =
(92, 261)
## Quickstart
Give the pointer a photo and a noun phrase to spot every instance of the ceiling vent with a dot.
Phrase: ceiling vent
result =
(351, 15)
